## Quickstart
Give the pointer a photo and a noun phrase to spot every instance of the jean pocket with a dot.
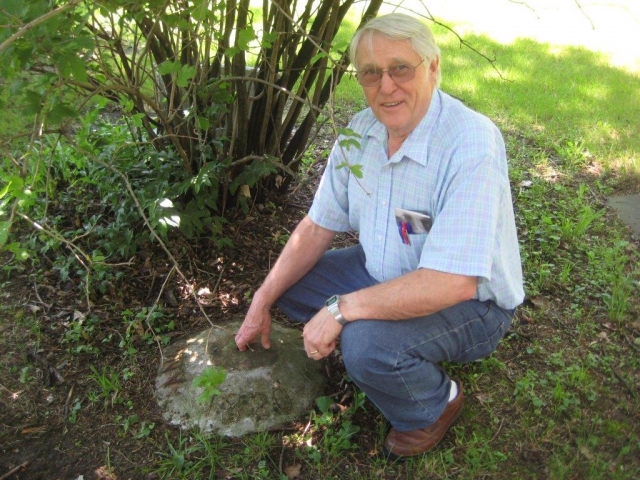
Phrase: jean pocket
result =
(485, 331)
(497, 323)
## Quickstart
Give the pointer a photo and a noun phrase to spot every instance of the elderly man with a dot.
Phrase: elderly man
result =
(436, 275)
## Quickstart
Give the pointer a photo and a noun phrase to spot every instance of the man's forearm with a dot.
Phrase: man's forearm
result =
(307, 244)
(415, 294)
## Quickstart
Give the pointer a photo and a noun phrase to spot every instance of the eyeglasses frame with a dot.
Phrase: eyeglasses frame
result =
(383, 70)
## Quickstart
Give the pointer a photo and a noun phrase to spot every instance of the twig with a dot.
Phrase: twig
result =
(264, 158)
(14, 471)
(280, 88)
(306, 428)
(151, 310)
(215, 287)
(528, 6)
(281, 458)
(631, 344)
(633, 393)
(35, 287)
(463, 42)
(154, 274)
(13, 394)
(50, 372)
(593, 27)
(34, 23)
(498, 432)
(66, 403)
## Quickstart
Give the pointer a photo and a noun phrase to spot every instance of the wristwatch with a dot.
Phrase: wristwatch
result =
(333, 305)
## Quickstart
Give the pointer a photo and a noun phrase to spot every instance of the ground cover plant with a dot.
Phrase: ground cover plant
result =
(84, 312)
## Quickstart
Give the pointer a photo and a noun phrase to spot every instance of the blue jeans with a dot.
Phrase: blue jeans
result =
(397, 363)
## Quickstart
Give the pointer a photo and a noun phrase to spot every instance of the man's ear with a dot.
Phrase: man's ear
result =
(434, 65)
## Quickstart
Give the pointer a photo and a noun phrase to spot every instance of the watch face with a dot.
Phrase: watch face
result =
(333, 300)
(333, 306)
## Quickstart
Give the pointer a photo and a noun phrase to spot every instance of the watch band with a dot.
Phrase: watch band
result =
(333, 305)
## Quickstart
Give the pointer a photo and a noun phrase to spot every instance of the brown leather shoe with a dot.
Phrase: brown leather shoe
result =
(406, 444)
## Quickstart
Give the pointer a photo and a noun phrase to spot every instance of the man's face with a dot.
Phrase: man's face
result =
(398, 106)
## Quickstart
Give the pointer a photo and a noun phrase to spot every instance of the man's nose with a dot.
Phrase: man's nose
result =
(387, 83)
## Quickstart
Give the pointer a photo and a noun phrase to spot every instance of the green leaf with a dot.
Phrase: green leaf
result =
(60, 111)
(15, 248)
(14, 186)
(318, 56)
(72, 66)
(356, 170)
(33, 103)
(185, 73)
(83, 42)
(4, 232)
(347, 132)
(268, 39)
(245, 37)
(201, 12)
(349, 142)
(252, 174)
(209, 380)
(136, 120)
(167, 67)
(324, 404)
(203, 123)
(340, 46)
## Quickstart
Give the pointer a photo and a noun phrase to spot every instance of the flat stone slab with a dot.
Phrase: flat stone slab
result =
(263, 390)
(628, 209)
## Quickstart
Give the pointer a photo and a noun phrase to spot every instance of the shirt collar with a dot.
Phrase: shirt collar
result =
(415, 146)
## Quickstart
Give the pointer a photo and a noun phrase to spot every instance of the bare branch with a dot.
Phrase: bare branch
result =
(593, 27)
(153, 308)
(525, 4)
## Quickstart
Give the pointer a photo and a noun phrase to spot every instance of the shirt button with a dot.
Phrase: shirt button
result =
(380, 237)
(384, 203)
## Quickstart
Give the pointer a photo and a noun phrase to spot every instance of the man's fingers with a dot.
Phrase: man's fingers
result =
(241, 343)
(243, 339)
(266, 340)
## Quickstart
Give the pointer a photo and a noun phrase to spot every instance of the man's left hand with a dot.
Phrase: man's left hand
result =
(320, 335)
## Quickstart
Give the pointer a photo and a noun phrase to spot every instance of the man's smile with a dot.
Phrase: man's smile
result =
(391, 104)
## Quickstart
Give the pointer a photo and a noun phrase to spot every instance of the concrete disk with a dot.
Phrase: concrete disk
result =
(263, 390)
(628, 209)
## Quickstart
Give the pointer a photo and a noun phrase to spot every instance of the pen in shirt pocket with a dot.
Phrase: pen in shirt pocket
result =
(404, 228)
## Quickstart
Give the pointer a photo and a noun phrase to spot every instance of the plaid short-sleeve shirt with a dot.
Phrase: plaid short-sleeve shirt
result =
(452, 167)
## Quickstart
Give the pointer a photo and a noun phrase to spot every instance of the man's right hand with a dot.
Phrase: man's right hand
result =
(256, 323)
(303, 250)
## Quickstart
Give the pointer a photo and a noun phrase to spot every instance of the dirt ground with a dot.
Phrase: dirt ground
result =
(44, 372)
(55, 425)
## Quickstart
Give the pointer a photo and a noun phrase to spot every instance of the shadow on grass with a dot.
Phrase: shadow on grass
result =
(568, 93)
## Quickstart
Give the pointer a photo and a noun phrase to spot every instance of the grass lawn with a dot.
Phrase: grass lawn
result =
(558, 400)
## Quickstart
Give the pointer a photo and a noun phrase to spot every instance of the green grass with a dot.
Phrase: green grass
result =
(559, 398)
(570, 94)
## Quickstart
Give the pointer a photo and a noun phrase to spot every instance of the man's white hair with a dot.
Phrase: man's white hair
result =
(398, 26)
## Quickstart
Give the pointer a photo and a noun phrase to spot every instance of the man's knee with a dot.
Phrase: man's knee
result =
(363, 356)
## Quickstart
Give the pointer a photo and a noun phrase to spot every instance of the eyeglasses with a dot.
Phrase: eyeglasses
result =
(370, 77)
